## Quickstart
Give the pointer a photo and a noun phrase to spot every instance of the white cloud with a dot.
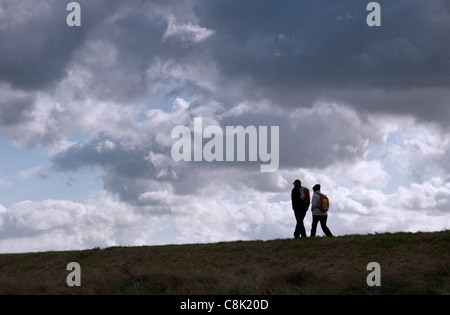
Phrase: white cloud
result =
(218, 213)
(369, 173)
(105, 146)
(62, 224)
(186, 32)
(432, 195)
(34, 171)
(3, 210)
(180, 104)
(5, 182)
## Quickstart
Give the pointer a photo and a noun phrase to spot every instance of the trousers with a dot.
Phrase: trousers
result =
(323, 224)
(300, 226)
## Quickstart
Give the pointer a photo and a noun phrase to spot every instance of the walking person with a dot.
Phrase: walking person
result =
(300, 204)
(317, 214)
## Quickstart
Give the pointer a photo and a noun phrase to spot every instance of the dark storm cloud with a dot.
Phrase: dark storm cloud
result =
(127, 172)
(294, 52)
(316, 138)
(302, 51)
(15, 109)
(36, 46)
(327, 44)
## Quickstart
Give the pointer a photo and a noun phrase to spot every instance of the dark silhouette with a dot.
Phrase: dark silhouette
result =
(300, 204)
(317, 214)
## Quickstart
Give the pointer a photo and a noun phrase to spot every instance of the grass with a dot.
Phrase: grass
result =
(411, 263)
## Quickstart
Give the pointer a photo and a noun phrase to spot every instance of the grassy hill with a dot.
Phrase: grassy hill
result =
(411, 263)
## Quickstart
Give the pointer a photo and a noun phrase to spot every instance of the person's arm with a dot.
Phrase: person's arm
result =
(293, 196)
(315, 202)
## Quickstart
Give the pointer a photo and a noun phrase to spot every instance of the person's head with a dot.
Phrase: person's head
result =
(316, 187)
(297, 182)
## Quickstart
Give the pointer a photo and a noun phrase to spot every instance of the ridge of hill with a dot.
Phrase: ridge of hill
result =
(410, 263)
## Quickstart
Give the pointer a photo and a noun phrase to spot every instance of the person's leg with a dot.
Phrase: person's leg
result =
(300, 227)
(315, 220)
(323, 225)
(297, 230)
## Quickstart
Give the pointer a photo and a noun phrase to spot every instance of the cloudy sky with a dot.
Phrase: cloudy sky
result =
(86, 115)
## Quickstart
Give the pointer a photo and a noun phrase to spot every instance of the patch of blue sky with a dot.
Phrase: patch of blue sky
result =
(15, 159)
(79, 137)
(27, 174)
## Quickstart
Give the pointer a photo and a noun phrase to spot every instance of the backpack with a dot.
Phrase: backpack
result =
(324, 203)
(307, 198)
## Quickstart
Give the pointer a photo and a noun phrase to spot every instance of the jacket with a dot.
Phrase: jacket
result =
(297, 196)
(315, 204)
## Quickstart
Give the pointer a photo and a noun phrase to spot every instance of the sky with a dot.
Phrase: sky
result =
(87, 113)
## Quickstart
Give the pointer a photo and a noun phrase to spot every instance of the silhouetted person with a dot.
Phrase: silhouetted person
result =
(317, 214)
(300, 204)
